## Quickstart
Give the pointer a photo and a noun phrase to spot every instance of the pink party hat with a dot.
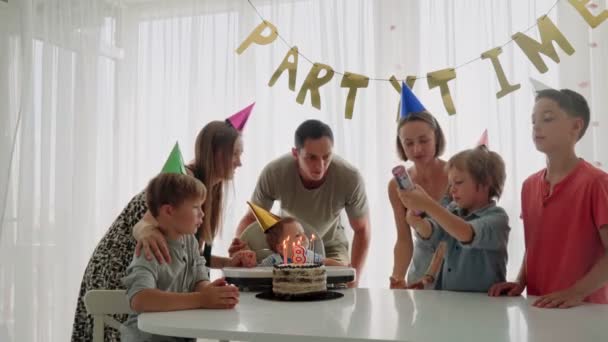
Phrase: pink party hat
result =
(483, 140)
(239, 119)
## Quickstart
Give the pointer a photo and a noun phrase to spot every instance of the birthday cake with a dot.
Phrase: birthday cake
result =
(299, 279)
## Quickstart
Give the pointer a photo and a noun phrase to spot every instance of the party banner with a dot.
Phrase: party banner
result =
(321, 74)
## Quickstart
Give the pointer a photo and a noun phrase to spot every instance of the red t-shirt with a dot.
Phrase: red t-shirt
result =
(562, 230)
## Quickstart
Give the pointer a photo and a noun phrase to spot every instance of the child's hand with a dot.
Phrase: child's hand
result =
(421, 284)
(562, 299)
(508, 289)
(219, 295)
(395, 283)
(237, 245)
(412, 219)
(243, 259)
(416, 199)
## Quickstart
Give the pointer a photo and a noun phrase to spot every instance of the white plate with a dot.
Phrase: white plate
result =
(266, 272)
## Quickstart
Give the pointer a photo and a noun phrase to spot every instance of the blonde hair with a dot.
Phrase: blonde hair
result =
(485, 167)
(213, 152)
(172, 189)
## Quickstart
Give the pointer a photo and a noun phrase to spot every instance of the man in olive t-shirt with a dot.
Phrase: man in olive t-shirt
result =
(313, 186)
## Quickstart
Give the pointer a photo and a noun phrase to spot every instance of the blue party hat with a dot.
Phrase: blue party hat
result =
(409, 102)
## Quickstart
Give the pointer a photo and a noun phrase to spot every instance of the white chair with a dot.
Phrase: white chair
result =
(256, 240)
(4, 333)
(101, 304)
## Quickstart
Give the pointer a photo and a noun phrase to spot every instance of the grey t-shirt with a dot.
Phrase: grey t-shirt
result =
(187, 268)
(318, 210)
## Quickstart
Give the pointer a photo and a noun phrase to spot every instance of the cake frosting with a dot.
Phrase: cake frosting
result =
(299, 279)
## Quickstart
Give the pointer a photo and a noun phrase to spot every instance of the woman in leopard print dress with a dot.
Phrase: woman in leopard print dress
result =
(217, 154)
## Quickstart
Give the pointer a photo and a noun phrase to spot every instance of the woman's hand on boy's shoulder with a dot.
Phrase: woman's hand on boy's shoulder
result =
(154, 245)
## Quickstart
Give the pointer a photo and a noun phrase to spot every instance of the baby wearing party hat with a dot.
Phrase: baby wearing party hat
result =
(281, 234)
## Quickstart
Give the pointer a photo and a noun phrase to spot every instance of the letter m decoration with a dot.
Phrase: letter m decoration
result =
(549, 33)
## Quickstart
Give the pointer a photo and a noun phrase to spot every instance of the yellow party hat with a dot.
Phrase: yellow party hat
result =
(265, 218)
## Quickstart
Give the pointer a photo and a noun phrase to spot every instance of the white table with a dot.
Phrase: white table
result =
(386, 315)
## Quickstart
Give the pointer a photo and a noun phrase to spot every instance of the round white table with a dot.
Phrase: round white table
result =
(386, 315)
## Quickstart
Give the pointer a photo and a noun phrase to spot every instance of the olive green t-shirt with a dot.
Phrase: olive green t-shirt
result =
(318, 210)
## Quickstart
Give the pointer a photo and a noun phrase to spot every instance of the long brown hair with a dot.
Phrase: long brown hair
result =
(213, 153)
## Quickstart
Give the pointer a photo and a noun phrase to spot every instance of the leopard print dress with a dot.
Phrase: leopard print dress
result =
(108, 266)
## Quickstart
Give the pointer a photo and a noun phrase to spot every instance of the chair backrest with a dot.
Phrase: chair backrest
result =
(255, 238)
(101, 304)
(4, 333)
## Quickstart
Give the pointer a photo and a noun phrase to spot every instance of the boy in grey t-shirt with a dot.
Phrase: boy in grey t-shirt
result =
(175, 201)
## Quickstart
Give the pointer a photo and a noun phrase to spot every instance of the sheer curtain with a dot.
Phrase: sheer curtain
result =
(94, 93)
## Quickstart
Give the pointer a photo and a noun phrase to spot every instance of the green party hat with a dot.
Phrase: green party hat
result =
(175, 162)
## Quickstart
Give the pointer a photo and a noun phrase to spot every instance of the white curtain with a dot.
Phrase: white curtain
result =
(94, 93)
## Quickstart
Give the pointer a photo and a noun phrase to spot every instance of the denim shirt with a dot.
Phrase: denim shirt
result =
(423, 253)
(477, 265)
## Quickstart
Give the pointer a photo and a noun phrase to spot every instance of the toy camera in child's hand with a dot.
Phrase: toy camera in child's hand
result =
(403, 178)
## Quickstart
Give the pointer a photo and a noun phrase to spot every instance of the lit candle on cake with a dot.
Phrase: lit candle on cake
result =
(304, 250)
(312, 247)
(298, 253)
(285, 250)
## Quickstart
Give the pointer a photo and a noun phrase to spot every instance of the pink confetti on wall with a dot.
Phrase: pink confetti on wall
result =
(584, 84)
(592, 5)
(398, 66)
(392, 27)
(598, 164)
(593, 45)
